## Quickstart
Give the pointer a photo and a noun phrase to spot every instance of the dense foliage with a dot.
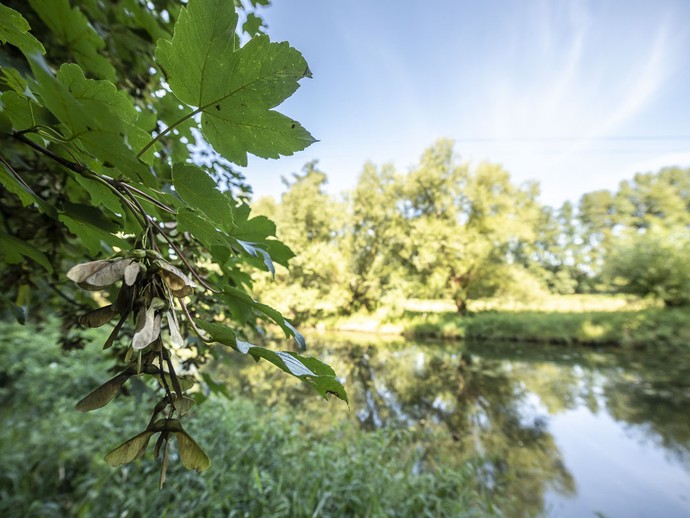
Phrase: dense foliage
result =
(266, 461)
(449, 230)
(120, 123)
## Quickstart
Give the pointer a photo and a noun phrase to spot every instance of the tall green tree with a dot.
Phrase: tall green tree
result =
(310, 221)
(661, 198)
(102, 105)
(463, 223)
(556, 254)
(648, 201)
(376, 235)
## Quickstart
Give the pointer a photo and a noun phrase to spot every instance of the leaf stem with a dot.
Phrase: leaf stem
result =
(148, 198)
(186, 262)
(155, 139)
(87, 173)
(192, 323)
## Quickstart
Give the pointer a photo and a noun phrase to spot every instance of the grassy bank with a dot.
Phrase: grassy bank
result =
(669, 328)
(573, 320)
(266, 462)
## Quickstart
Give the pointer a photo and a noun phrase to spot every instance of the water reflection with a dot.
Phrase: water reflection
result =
(503, 409)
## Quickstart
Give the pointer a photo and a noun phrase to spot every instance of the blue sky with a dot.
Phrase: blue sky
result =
(577, 94)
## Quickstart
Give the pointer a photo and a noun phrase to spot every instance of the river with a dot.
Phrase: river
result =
(549, 431)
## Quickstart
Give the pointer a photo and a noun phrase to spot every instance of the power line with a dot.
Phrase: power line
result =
(622, 138)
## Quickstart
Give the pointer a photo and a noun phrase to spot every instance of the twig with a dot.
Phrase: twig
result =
(68, 298)
(148, 197)
(77, 168)
(186, 262)
(153, 141)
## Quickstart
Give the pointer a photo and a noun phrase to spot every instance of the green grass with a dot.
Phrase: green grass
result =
(576, 303)
(265, 461)
(597, 320)
(656, 327)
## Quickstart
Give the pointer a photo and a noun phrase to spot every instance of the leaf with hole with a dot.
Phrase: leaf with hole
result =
(234, 89)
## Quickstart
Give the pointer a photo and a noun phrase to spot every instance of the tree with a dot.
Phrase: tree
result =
(311, 221)
(105, 107)
(375, 236)
(463, 223)
(660, 199)
(655, 198)
(556, 255)
(653, 263)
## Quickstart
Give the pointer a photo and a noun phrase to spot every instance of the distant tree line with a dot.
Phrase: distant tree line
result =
(447, 229)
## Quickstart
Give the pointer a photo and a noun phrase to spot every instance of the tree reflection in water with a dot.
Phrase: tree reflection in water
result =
(487, 407)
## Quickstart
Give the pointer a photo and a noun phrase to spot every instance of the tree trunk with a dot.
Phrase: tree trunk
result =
(461, 304)
(460, 284)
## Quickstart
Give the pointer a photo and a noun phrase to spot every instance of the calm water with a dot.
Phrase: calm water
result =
(550, 431)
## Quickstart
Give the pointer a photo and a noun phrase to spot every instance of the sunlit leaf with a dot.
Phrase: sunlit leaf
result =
(234, 89)
(316, 373)
(218, 332)
(256, 251)
(200, 228)
(88, 111)
(14, 80)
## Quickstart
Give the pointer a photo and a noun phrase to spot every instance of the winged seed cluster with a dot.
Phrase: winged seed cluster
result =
(150, 286)
(73, 116)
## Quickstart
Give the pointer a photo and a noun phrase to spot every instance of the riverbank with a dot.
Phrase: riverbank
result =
(612, 323)
(266, 460)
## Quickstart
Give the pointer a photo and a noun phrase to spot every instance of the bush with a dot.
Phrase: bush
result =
(654, 263)
(265, 463)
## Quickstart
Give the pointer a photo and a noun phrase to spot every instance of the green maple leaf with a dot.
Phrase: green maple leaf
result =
(14, 29)
(73, 29)
(95, 115)
(234, 89)
(200, 191)
(320, 376)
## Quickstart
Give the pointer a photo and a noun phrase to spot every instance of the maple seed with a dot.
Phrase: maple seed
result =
(97, 275)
